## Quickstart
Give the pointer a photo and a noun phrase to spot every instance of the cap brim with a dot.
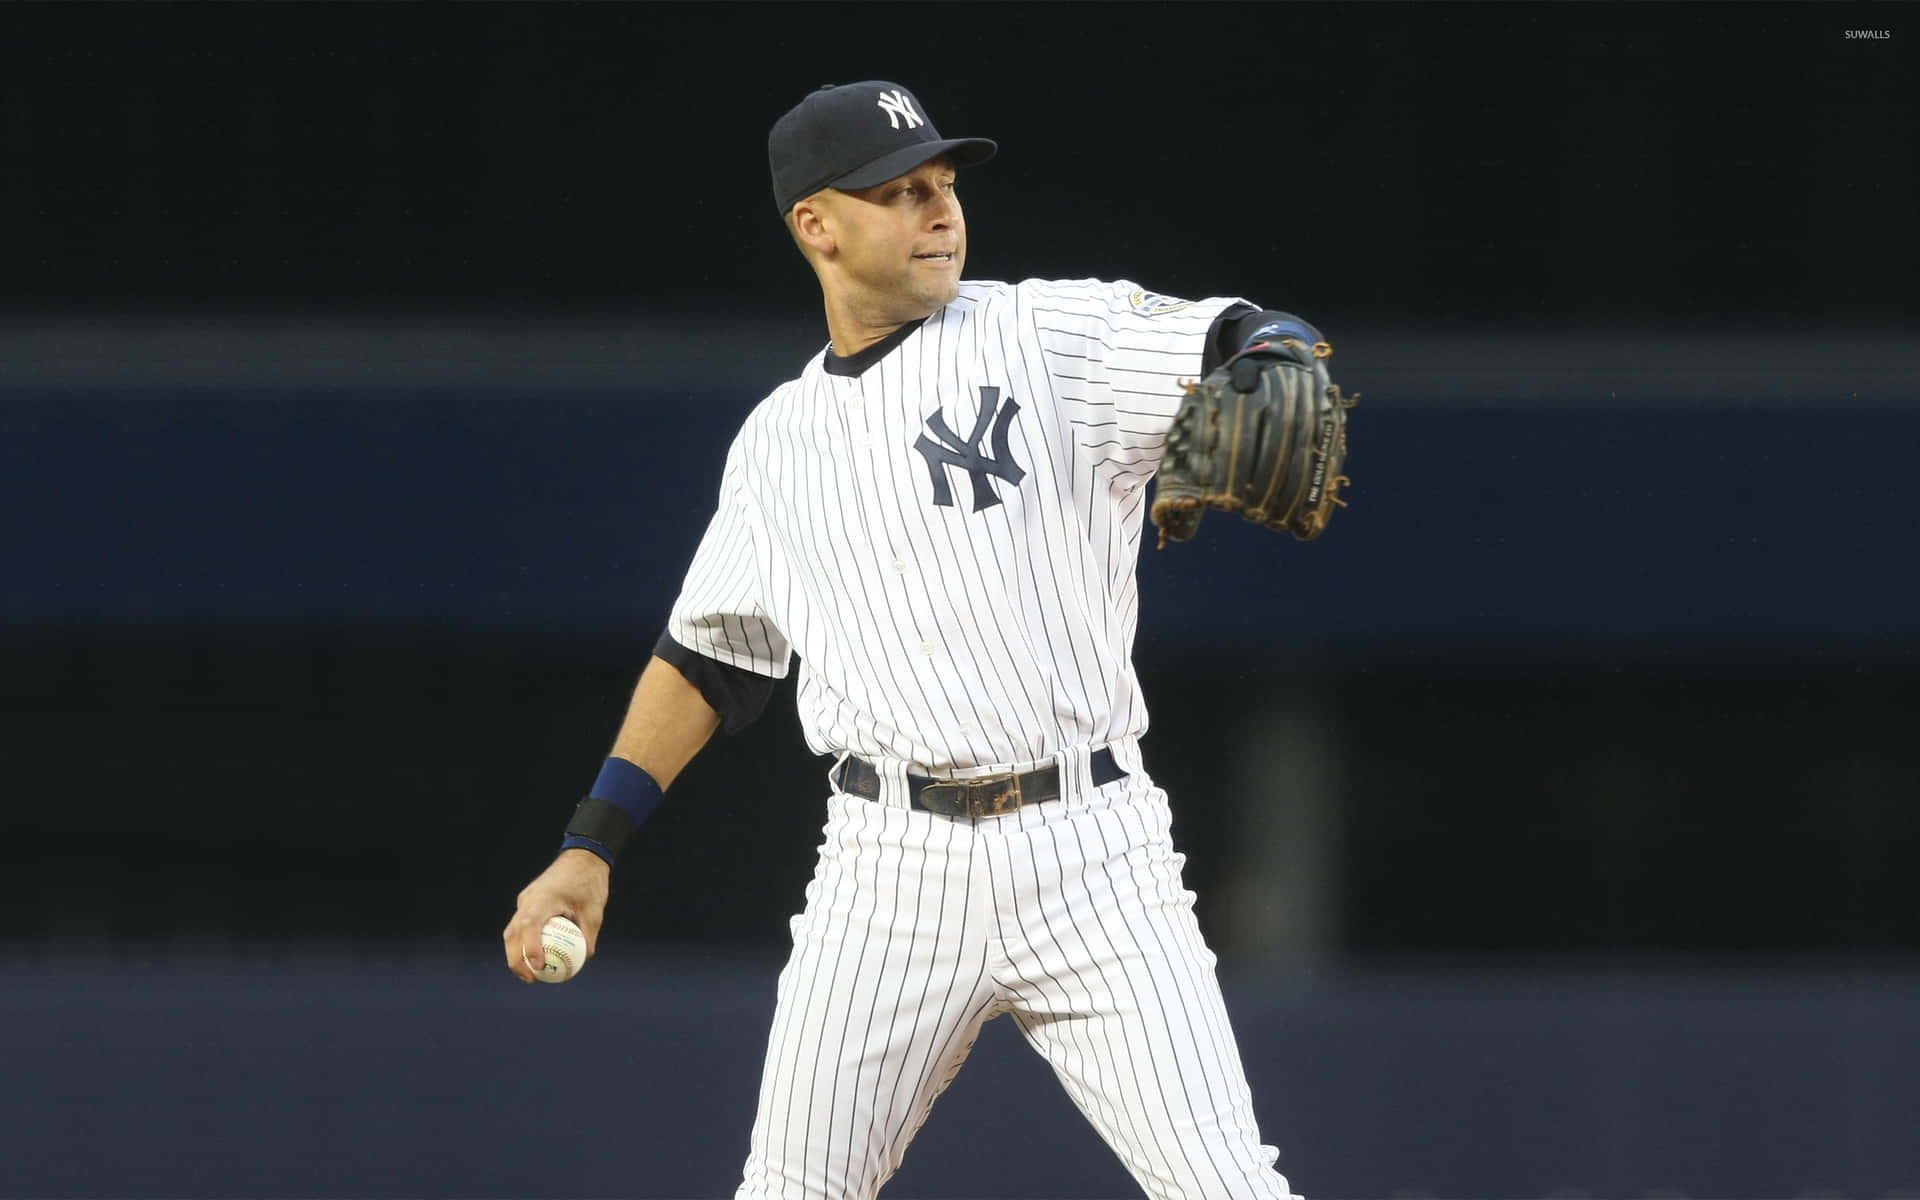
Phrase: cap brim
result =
(966, 152)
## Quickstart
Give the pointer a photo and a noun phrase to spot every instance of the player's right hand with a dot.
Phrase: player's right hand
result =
(574, 887)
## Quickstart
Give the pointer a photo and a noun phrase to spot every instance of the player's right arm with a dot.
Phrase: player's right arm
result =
(667, 723)
(713, 668)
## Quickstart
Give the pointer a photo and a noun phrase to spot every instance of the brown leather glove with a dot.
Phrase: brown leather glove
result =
(1265, 436)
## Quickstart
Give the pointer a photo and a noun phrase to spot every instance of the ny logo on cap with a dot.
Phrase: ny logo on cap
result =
(898, 104)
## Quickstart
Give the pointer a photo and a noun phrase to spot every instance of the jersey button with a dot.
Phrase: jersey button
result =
(926, 648)
(899, 566)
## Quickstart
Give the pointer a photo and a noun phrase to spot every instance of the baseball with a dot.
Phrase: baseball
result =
(566, 949)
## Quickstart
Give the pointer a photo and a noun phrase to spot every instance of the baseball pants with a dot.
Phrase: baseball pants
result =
(1069, 915)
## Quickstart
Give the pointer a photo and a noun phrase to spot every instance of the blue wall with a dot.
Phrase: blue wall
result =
(392, 1074)
(576, 513)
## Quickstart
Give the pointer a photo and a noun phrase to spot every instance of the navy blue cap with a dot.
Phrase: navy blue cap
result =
(854, 136)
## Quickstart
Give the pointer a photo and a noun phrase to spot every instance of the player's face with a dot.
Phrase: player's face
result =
(904, 242)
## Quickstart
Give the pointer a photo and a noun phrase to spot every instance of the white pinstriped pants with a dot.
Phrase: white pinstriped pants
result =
(1070, 915)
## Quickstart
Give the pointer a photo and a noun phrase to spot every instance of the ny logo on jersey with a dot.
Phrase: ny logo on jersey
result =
(899, 106)
(968, 455)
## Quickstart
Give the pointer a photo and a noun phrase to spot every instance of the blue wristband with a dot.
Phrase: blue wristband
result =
(627, 788)
(1273, 331)
(576, 842)
(622, 797)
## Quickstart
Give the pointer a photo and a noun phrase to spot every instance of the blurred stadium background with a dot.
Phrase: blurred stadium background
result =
(365, 374)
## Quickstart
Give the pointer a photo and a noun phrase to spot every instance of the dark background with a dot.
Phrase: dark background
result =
(1441, 164)
(365, 373)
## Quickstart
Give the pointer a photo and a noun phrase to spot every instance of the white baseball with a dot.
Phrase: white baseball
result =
(566, 951)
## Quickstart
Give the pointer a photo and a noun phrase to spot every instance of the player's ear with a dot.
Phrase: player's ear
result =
(809, 223)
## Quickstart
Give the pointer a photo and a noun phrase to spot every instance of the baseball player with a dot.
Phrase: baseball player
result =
(941, 518)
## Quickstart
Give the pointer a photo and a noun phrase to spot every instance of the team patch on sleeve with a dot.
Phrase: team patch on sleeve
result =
(1152, 304)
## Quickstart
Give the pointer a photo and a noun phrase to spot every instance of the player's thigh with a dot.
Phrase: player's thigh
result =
(879, 1003)
(1118, 992)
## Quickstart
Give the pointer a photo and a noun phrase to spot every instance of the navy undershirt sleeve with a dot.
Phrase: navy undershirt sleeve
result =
(738, 695)
(1237, 324)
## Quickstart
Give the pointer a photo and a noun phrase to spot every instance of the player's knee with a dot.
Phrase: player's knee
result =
(1237, 1173)
(798, 1176)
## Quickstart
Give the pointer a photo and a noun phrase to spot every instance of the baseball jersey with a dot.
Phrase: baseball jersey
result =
(945, 527)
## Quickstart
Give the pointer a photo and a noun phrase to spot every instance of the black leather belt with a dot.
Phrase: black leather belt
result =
(989, 796)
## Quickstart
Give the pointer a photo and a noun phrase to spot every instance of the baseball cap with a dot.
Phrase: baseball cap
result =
(854, 136)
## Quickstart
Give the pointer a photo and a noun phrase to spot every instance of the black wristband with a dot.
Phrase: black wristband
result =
(622, 797)
(595, 820)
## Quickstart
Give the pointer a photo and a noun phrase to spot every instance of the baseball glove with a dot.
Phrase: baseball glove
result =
(1263, 435)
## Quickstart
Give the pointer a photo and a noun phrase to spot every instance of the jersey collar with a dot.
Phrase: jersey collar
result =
(854, 365)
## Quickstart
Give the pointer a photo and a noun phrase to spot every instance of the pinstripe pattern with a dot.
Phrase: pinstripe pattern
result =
(938, 637)
(1069, 915)
(857, 1057)
(993, 631)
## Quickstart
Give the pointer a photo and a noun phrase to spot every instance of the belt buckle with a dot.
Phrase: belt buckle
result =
(994, 796)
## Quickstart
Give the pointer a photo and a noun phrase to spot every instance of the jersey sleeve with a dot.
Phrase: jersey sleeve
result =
(721, 611)
(1116, 354)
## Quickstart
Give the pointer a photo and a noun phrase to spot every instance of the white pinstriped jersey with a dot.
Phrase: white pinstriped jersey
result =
(948, 540)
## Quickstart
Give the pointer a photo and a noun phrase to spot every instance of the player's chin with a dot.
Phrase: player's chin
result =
(938, 289)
